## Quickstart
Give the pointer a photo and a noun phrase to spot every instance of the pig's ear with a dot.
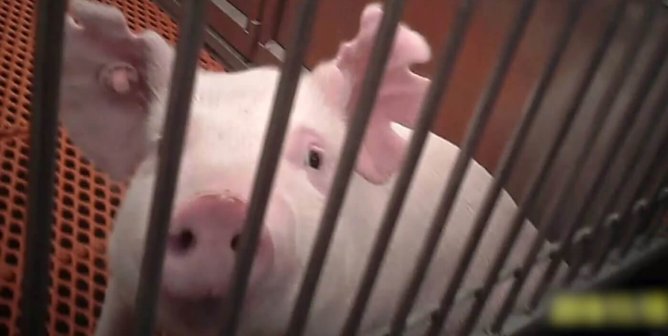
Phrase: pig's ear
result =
(110, 80)
(399, 97)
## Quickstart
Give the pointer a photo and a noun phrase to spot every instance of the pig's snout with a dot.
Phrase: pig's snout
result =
(202, 245)
(214, 219)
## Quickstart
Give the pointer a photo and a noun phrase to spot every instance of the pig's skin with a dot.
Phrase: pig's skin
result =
(351, 241)
(224, 138)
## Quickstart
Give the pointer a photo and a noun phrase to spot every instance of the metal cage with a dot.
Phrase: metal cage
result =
(616, 224)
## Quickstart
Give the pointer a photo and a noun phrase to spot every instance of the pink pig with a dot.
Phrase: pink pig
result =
(114, 89)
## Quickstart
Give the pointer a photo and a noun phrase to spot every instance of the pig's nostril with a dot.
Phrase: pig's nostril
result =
(234, 244)
(183, 241)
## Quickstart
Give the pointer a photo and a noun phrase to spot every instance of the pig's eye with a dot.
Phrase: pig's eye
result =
(314, 159)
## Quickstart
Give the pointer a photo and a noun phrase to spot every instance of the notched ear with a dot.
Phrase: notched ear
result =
(399, 97)
(110, 79)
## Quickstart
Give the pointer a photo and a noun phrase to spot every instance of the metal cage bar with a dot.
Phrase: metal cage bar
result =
(473, 136)
(602, 114)
(525, 324)
(369, 90)
(648, 79)
(169, 162)
(49, 40)
(657, 118)
(502, 174)
(620, 137)
(506, 274)
(273, 143)
(610, 202)
(657, 199)
(41, 171)
(654, 201)
(640, 208)
(613, 219)
(660, 212)
(509, 159)
(428, 113)
(537, 181)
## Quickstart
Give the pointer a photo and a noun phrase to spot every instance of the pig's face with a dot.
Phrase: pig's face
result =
(219, 162)
(115, 86)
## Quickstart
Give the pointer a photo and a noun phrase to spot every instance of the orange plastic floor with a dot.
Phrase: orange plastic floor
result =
(85, 198)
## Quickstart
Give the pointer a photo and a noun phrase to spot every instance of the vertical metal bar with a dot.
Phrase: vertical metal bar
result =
(508, 163)
(474, 134)
(644, 209)
(546, 165)
(176, 119)
(600, 254)
(618, 140)
(641, 211)
(368, 93)
(610, 203)
(271, 151)
(629, 234)
(43, 140)
(658, 200)
(653, 202)
(420, 132)
(619, 135)
(659, 214)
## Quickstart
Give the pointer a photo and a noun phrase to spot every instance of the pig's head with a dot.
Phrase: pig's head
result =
(114, 89)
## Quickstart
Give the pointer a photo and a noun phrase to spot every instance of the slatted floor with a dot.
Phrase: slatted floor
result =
(85, 198)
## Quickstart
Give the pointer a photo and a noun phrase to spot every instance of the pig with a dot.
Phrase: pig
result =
(113, 97)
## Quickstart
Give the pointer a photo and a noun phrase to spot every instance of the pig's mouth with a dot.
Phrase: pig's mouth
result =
(195, 314)
(209, 295)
